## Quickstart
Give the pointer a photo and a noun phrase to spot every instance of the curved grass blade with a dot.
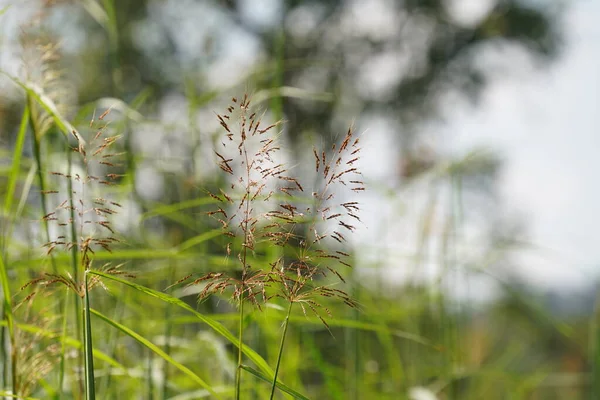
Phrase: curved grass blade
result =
(280, 385)
(200, 239)
(218, 327)
(4, 282)
(164, 209)
(157, 351)
(47, 104)
(333, 322)
(16, 164)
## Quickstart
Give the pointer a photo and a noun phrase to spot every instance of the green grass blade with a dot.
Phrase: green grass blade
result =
(16, 164)
(157, 351)
(286, 324)
(200, 239)
(218, 327)
(333, 322)
(37, 93)
(165, 209)
(63, 347)
(4, 282)
(7, 313)
(280, 385)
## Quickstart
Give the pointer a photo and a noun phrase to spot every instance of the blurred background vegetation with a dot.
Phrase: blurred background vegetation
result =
(435, 228)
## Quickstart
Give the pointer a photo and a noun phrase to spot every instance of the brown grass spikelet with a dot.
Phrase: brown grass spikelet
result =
(262, 207)
(254, 211)
(84, 216)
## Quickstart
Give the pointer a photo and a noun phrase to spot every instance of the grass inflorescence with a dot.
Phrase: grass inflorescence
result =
(264, 204)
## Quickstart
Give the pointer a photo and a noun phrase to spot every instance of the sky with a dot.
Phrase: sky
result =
(544, 124)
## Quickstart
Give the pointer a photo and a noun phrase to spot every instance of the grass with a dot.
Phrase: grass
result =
(259, 278)
(238, 281)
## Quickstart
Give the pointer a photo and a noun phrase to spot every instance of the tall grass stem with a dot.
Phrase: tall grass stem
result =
(281, 344)
(90, 390)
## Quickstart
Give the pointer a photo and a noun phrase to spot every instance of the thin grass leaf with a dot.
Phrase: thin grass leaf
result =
(63, 347)
(218, 327)
(162, 210)
(157, 351)
(280, 385)
(16, 164)
(334, 322)
(46, 102)
(200, 239)
(96, 12)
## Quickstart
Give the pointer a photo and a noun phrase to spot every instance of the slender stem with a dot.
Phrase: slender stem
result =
(74, 259)
(36, 136)
(238, 371)
(90, 390)
(37, 153)
(61, 370)
(285, 328)
(7, 308)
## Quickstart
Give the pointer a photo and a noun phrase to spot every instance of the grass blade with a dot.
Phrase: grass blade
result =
(280, 385)
(16, 164)
(157, 351)
(37, 93)
(217, 326)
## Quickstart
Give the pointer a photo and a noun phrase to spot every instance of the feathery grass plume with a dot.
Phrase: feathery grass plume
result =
(83, 225)
(262, 206)
(88, 212)
(328, 219)
(247, 157)
(43, 70)
(296, 278)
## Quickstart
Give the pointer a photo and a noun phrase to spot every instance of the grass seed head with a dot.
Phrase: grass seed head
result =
(263, 205)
